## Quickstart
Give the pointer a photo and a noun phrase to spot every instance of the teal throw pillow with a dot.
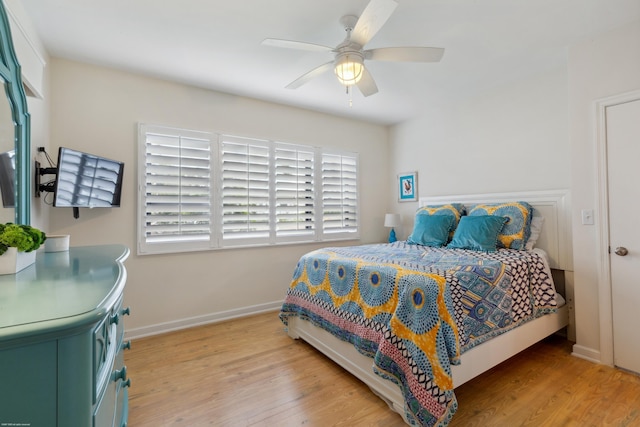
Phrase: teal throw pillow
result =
(431, 230)
(455, 210)
(479, 233)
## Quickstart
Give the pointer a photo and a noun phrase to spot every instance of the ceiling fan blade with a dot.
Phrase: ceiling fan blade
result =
(372, 19)
(310, 75)
(405, 54)
(292, 44)
(366, 84)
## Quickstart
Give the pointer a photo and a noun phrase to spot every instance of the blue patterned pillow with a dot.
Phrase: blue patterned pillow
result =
(431, 230)
(455, 210)
(478, 232)
(517, 229)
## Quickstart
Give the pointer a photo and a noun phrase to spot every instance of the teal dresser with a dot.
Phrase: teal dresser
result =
(62, 340)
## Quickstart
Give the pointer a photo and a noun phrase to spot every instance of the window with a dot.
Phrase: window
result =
(175, 190)
(339, 193)
(202, 190)
(295, 192)
(245, 191)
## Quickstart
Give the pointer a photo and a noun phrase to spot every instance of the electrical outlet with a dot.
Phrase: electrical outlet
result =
(41, 150)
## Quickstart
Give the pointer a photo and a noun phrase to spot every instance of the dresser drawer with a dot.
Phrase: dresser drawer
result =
(108, 341)
(104, 413)
(110, 373)
(105, 347)
(112, 409)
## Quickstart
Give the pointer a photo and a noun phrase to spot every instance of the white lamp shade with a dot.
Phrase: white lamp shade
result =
(392, 220)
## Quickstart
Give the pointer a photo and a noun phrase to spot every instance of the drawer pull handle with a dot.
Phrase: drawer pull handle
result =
(127, 383)
(121, 374)
(126, 345)
(126, 311)
(114, 319)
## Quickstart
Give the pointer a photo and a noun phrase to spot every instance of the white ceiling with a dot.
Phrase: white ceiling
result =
(216, 44)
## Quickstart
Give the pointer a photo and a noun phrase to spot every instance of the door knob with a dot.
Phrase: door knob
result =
(622, 251)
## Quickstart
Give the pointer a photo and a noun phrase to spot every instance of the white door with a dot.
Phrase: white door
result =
(623, 169)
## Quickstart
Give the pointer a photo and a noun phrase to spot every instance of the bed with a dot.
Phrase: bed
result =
(414, 319)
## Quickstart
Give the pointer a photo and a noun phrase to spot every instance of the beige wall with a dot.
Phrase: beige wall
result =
(512, 138)
(97, 110)
(598, 68)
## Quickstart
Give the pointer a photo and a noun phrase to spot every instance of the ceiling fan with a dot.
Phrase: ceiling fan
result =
(350, 55)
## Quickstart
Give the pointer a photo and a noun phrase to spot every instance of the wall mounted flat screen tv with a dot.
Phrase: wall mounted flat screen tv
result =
(87, 181)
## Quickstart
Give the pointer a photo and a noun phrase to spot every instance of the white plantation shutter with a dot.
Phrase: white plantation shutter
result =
(294, 191)
(176, 188)
(198, 191)
(245, 189)
(339, 193)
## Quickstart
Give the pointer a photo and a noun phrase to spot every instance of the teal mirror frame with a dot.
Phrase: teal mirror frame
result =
(12, 76)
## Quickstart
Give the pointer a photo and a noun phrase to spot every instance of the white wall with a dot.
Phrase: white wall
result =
(598, 68)
(97, 110)
(512, 138)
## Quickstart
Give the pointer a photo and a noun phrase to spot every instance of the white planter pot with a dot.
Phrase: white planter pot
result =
(13, 261)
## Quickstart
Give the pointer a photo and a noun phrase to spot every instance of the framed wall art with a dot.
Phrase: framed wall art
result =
(408, 187)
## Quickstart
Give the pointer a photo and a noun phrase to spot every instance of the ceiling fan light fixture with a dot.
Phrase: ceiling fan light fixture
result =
(350, 54)
(349, 69)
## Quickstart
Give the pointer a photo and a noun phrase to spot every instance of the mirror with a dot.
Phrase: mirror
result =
(15, 145)
(7, 164)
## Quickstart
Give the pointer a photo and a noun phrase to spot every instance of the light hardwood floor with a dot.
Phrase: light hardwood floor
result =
(248, 372)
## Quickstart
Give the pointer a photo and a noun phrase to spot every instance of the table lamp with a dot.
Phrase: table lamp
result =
(392, 220)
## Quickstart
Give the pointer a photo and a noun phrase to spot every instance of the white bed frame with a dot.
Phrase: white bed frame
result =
(554, 239)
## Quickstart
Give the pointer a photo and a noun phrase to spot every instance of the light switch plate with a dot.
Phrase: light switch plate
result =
(587, 217)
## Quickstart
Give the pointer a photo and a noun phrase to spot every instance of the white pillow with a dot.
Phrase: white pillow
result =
(536, 228)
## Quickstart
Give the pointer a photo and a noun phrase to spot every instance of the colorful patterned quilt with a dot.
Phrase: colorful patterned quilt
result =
(415, 309)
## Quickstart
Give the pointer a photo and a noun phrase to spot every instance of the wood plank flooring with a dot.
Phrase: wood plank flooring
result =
(248, 372)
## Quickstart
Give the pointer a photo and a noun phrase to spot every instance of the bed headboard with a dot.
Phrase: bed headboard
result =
(554, 205)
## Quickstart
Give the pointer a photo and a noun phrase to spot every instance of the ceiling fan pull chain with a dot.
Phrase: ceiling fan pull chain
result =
(350, 94)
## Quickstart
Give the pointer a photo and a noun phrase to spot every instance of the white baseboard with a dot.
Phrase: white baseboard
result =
(190, 322)
(586, 353)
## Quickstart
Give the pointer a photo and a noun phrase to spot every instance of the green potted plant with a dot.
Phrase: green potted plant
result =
(17, 246)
